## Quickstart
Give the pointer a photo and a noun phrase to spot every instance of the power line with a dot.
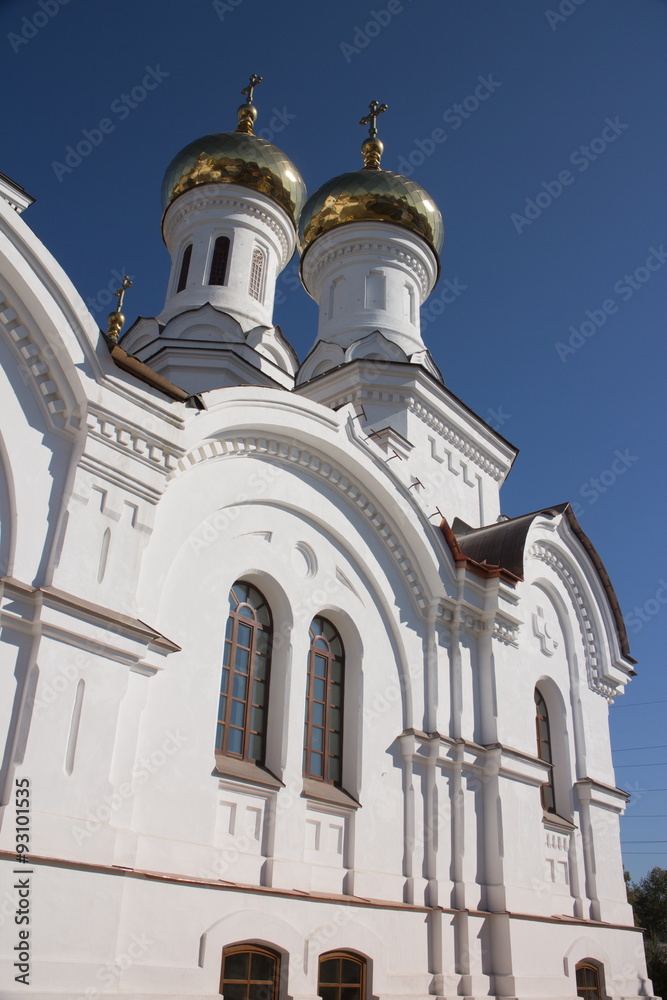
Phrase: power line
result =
(646, 816)
(645, 841)
(658, 763)
(658, 854)
(637, 704)
(655, 746)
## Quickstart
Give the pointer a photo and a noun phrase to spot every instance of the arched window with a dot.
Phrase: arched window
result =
(249, 973)
(256, 273)
(342, 976)
(323, 730)
(588, 981)
(246, 664)
(185, 267)
(544, 750)
(219, 260)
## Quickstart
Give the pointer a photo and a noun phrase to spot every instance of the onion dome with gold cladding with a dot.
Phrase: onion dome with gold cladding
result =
(371, 195)
(238, 157)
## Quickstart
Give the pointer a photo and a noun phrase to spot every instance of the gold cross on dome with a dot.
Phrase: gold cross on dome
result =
(248, 91)
(371, 119)
(121, 292)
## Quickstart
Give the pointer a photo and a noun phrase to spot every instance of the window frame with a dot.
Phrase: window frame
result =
(311, 680)
(350, 956)
(226, 689)
(590, 992)
(251, 949)
(547, 789)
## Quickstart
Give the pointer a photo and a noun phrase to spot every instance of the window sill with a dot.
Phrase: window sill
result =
(555, 820)
(245, 770)
(323, 792)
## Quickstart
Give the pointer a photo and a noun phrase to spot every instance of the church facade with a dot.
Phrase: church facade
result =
(290, 708)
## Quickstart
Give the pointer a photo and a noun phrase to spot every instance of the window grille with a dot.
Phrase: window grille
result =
(588, 981)
(249, 974)
(323, 729)
(256, 273)
(242, 707)
(342, 976)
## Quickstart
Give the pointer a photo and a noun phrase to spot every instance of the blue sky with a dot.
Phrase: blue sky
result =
(550, 175)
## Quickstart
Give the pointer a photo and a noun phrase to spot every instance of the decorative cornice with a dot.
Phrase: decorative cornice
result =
(457, 439)
(184, 207)
(506, 632)
(36, 362)
(314, 264)
(477, 623)
(594, 670)
(460, 441)
(149, 449)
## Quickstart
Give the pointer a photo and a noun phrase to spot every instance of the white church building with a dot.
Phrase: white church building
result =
(289, 708)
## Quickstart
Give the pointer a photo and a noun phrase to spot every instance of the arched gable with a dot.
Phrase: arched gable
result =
(567, 570)
(288, 432)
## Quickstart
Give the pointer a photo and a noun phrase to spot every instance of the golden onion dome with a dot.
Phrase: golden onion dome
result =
(238, 157)
(371, 195)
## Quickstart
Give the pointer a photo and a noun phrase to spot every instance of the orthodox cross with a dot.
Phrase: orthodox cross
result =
(254, 80)
(116, 318)
(371, 119)
(121, 292)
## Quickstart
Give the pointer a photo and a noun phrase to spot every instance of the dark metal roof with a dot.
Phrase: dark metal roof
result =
(498, 550)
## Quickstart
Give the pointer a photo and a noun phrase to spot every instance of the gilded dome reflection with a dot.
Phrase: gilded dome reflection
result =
(371, 195)
(236, 158)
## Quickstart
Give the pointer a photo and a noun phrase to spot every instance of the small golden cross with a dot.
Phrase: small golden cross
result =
(371, 119)
(254, 80)
(121, 292)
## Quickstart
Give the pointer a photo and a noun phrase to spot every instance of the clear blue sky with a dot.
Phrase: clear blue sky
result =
(554, 83)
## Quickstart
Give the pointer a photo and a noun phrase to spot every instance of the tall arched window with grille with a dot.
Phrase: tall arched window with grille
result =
(342, 976)
(256, 273)
(249, 973)
(218, 272)
(544, 751)
(323, 729)
(185, 267)
(242, 707)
